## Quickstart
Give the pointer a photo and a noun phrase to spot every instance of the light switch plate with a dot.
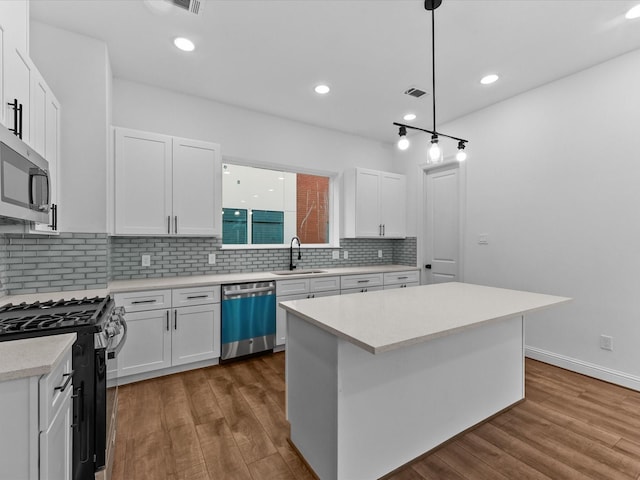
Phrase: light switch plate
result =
(483, 239)
(212, 259)
(335, 254)
(346, 255)
(379, 253)
(146, 260)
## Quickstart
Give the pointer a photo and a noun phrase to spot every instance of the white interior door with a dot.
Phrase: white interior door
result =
(442, 226)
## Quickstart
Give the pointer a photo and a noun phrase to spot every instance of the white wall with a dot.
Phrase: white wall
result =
(245, 134)
(553, 177)
(77, 70)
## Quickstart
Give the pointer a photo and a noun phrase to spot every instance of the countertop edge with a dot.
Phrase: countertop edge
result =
(36, 366)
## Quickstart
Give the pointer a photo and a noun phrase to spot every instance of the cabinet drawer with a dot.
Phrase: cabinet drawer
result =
(361, 290)
(140, 301)
(184, 297)
(53, 390)
(292, 287)
(324, 284)
(361, 281)
(409, 276)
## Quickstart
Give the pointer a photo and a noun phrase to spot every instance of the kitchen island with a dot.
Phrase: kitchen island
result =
(375, 380)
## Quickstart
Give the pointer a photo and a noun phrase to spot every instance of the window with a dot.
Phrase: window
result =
(266, 207)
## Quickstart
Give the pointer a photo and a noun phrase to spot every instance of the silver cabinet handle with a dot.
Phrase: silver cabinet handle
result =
(363, 281)
(64, 386)
(380, 229)
(168, 223)
(175, 319)
(191, 297)
(384, 227)
(136, 302)
(175, 230)
(167, 320)
(402, 278)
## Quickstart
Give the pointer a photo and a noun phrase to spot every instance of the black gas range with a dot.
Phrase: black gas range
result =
(101, 332)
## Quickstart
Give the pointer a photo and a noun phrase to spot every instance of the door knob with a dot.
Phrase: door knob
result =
(428, 266)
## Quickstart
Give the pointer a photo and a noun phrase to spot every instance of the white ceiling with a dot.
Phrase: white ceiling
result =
(267, 55)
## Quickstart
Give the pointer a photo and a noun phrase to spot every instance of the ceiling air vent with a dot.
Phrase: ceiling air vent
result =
(193, 6)
(415, 92)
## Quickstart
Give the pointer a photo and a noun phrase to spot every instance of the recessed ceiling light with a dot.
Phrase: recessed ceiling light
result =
(322, 89)
(489, 79)
(184, 44)
(634, 12)
(409, 116)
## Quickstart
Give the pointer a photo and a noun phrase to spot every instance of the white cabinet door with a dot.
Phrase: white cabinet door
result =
(38, 113)
(281, 317)
(148, 345)
(14, 20)
(17, 86)
(195, 334)
(52, 155)
(367, 203)
(393, 205)
(55, 444)
(142, 183)
(196, 187)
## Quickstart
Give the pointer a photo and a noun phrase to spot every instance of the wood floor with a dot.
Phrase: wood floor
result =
(228, 422)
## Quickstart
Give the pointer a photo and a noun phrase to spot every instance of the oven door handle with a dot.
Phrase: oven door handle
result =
(118, 347)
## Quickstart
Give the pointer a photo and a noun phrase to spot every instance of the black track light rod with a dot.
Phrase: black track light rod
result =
(430, 131)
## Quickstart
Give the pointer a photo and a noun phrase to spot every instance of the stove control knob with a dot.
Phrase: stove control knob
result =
(111, 331)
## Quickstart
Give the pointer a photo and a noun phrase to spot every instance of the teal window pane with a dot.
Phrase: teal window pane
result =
(267, 226)
(234, 226)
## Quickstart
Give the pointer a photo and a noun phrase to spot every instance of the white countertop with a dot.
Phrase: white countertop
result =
(390, 319)
(120, 286)
(33, 356)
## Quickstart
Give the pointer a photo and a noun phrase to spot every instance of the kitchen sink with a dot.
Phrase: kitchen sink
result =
(297, 272)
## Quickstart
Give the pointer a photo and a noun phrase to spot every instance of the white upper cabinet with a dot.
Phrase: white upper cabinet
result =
(165, 185)
(374, 204)
(143, 202)
(196, 187)
(15, 63)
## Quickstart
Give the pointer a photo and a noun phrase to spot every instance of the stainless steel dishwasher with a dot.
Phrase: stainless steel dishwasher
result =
(248, 318)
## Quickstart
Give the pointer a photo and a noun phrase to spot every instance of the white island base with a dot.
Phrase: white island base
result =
(359, 415)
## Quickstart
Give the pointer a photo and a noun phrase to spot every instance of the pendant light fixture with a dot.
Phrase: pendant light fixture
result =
(435, 153)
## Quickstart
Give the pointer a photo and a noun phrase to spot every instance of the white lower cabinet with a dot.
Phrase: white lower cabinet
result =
(160, 338)
(148, 344)
(409, 278)
(195, 334)
(297, 289)
(36, 418)
(55, 444)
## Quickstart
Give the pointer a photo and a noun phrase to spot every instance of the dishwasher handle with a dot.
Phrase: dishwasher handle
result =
(247, 291)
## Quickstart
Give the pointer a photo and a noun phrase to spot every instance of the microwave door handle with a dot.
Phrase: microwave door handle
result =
(33, 173)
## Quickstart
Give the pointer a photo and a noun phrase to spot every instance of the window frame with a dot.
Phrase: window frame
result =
(334, 203)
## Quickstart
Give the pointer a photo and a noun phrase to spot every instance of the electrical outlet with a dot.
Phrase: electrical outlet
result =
(335, 254)
(146, 260)
(212, 259)
(379, 253)
(346, 255)
(606, 342)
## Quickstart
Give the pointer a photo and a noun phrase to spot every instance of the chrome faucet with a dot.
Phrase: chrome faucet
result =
(291, 265)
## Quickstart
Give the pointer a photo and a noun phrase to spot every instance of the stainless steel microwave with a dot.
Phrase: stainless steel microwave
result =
(24, 180)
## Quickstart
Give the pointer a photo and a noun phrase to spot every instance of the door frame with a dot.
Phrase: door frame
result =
(450, 163)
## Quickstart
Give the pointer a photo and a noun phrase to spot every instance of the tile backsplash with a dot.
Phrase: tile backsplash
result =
(76, 261)
(46, 263)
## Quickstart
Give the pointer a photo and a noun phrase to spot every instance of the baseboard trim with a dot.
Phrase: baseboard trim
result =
(585, 368)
